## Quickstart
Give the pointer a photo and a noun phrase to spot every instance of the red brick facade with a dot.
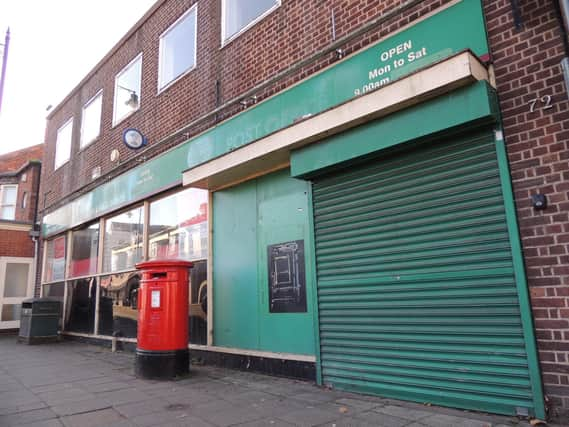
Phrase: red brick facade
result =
(527, 67)
(527, 64)
(16, 243)
(22, 167)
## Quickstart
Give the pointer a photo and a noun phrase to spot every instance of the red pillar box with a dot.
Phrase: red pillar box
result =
(162, 347)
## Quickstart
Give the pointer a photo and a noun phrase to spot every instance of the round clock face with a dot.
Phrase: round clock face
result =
(133, 138)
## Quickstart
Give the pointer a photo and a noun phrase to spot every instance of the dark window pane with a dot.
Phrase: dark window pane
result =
(84, 253)
(118, 305)
(198, 304)
(80, 311)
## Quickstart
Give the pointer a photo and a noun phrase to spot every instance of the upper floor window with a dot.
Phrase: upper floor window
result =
(127, 90)
(91, 120)
(178, 48)
(8, 195)
(238, 15)
(63, 144)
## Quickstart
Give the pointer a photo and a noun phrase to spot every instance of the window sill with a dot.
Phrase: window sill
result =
(173, 82)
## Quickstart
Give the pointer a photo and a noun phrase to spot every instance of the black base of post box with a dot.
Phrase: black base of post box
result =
(162, 365)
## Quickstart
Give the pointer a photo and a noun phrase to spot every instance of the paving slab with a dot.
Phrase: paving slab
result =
(75, 384)
(103, 417)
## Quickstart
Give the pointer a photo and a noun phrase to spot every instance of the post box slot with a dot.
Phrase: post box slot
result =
(158, 275)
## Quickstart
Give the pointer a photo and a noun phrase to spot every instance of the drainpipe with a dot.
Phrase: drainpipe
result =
(35, 233)
(564, 10)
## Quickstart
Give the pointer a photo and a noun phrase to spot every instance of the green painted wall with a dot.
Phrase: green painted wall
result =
(246, 219)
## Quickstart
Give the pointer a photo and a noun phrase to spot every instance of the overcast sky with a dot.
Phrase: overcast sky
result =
(53, 45)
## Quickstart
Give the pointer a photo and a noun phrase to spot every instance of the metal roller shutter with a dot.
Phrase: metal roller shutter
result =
(416, 289)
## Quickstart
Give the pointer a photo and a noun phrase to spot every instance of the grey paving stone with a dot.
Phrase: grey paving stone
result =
(51, 387)
(136, 409)
(160, 418)
(314, 396)
(276, 407)
(22, 408)
(55, 422)
(403, 412)
(349, 422)
(27, 417)
(79, 407)
(72, 394)
(310, 417)
(441, 420)
(382, 420)
(93, 419)
(104, 387)
(362, 405)
(118, 397)
(227, 416)
(187, 422)
(265, 422)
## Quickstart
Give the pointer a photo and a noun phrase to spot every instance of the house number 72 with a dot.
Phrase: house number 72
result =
(545, 100)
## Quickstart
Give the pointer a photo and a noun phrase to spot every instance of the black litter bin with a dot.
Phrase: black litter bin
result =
(39, 321)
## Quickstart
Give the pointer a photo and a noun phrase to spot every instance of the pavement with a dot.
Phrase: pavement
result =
(75, 384)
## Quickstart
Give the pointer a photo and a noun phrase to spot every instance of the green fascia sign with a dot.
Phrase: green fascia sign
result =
(451, 30)
(478, 106)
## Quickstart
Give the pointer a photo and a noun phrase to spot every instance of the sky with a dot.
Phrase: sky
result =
(53, 45)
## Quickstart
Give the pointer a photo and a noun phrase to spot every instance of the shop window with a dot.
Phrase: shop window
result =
(197, 321)
(8, 196)
(80, 311)
(63, 144)
(84, 251)
(123, 240)
(127, 90)
(239, 15)
(55, 260)
(178, 226)
(91, 120)
(55, 291)
(178, 49)
(118, 304)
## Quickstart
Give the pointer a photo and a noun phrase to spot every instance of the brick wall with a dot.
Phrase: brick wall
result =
(526, 63)
(292, 32)
(16, 243)
(527, 67)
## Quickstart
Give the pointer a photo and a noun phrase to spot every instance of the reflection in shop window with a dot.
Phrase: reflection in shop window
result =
(118, 304)
(55, 291)
(123, 240)
(178, 226)
(55, 260)
(84, 253)
(80, 307)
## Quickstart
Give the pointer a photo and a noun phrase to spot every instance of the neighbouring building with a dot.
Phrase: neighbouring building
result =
(19, 237)
(374, 193)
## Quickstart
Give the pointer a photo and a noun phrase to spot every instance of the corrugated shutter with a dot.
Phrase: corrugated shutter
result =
(416, 289)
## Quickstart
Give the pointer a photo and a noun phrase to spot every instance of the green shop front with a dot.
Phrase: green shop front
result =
(365, 237)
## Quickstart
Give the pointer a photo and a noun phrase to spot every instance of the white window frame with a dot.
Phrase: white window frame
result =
(63, 126)
(82, 142)
(193, 9)
(116, 120)
(225, 40)
(2, 189)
